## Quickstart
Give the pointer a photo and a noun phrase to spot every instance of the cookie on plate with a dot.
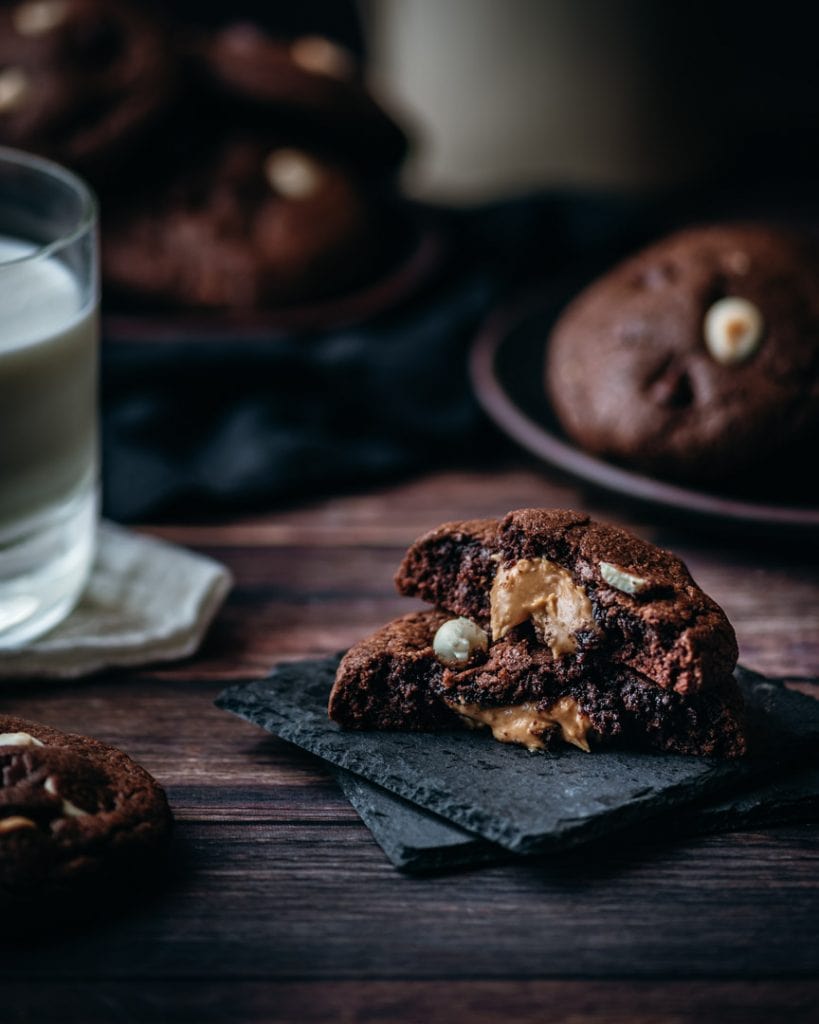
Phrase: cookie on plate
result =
(258, 223)
(697, 359)
(550, 626)
(74, 812)
(80, 80)
(310, 84)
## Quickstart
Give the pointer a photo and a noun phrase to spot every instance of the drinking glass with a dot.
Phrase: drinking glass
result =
(49, 339)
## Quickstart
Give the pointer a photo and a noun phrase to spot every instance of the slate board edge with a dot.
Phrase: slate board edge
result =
(474, 851)
(472, 818)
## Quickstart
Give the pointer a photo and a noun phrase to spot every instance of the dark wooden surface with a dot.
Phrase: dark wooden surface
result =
(279, 906)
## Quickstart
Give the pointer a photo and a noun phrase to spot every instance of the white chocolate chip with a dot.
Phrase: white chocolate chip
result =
(19, 739)
(457, 640)
(14, 823)
(39, 16)
(292, 174)
(323, 57)
(733, 330)
(622, 580)
(14, 84)
(69, 810)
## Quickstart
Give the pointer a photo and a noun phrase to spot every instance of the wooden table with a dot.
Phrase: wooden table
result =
(281, 906)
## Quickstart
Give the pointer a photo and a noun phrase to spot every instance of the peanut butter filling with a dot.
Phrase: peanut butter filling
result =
(15, 822)
(540, 590)
(527, 725)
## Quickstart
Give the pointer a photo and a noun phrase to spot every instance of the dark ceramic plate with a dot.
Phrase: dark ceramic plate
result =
(506, 365)
(418, 260)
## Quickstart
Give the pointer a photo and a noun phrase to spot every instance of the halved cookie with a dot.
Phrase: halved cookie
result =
(589, 590)
(549, 625)
(394, 679)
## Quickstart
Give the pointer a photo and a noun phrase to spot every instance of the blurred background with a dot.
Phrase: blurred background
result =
(615, 94)
(514, 95)
(310, 210)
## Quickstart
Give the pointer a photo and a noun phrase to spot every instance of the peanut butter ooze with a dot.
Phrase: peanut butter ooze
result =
(540, 590)
(529, 725)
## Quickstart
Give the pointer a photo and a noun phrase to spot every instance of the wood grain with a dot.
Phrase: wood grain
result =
(425, 1002)
(279, 906)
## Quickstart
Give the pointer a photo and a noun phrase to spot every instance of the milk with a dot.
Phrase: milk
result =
(48, 440)
(48, 380)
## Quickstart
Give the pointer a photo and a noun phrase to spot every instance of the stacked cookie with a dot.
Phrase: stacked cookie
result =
(547, 626)
(697, 359)
(235, 170)
(83, 81)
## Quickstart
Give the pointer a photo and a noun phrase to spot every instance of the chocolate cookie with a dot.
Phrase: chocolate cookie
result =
(621, 599)
(697, 359)
(395, 679)
(311, 87)
(74, 812)
(256, 224)
(392, 680)
(80, 80)
(550, 624)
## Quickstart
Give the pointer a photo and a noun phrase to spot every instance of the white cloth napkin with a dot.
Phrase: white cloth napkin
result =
(146, 601)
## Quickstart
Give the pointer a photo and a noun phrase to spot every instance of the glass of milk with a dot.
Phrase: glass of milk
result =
(49, 297)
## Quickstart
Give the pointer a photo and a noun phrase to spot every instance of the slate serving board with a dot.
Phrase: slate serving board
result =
(415, 840)
(525, 802)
